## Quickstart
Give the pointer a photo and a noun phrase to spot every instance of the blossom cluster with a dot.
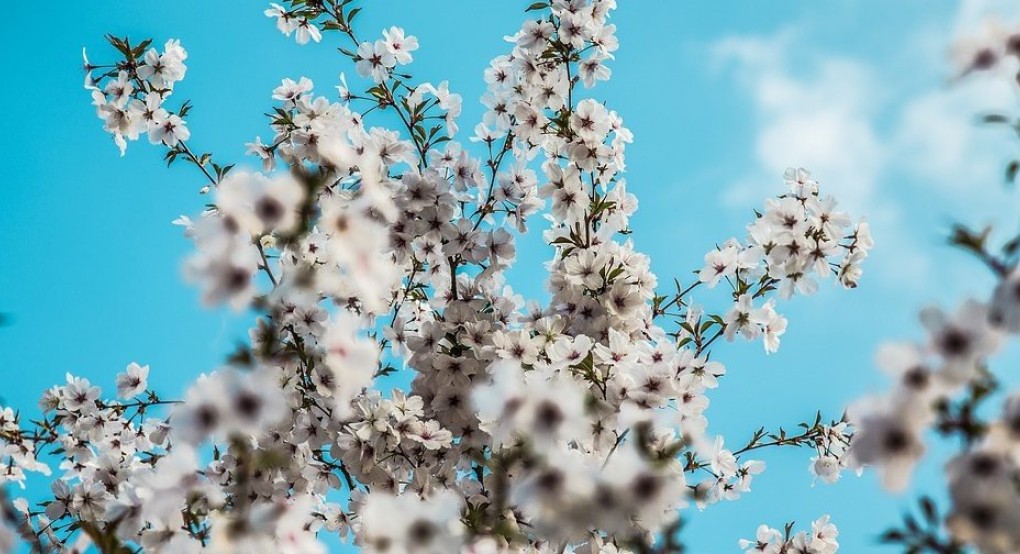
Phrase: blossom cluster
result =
(799, 237)
(131, 100)
(821, 539)
(574, 424)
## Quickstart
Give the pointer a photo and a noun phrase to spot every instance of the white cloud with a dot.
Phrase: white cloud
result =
(875, 136)
(819, 120)
(939, 141)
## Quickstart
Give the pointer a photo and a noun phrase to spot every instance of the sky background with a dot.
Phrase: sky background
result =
(721, 98)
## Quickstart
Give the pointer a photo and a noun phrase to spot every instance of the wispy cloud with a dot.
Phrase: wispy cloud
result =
(817, 116)
(880, 139)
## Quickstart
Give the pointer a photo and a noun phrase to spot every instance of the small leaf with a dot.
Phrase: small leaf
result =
(1011, 171)
(892, 535)
(928, 509)
(995, 118)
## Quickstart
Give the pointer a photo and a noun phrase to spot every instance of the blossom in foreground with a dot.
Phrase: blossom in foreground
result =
(820, 540)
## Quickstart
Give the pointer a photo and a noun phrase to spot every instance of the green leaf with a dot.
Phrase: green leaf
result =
(140, 49)
(994, 118)
(892, 535)
(1011, 171)
(928, 509)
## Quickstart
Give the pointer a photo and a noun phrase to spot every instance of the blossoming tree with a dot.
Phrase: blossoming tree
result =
(574, 424)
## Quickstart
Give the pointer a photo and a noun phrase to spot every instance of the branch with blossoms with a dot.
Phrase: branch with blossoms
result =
(945, 382)
(577, 423)
(800, 237)
(821, 539)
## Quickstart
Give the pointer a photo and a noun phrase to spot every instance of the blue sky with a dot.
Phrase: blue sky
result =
(720, 97)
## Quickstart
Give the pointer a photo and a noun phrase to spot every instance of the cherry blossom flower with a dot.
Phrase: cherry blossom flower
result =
(399, 45)
(888, 436)
(133, 381)
(962, 341)
(375, 60)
